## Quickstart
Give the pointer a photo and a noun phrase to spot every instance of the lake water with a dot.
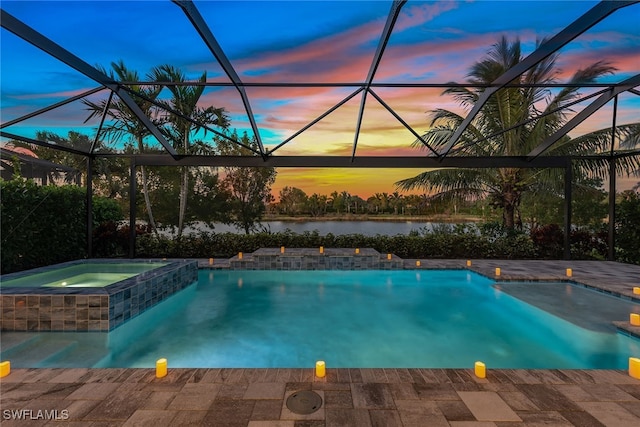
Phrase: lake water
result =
(367, 228)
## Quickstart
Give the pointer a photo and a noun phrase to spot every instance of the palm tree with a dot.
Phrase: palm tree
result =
(125, 122)
(498, 130)
(186, 118)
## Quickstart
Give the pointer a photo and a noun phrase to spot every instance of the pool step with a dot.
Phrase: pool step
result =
(14, 340)
(82, 354)
(35, 352)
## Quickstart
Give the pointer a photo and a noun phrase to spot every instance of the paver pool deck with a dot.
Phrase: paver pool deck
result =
(351, 397)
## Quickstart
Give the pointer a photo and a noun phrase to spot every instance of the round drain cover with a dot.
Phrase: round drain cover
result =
(304, 402)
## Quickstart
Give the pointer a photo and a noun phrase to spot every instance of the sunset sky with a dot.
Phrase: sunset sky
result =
(304, 42)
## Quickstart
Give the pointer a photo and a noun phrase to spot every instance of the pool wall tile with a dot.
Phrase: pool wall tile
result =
(312, 259)
(93, 309)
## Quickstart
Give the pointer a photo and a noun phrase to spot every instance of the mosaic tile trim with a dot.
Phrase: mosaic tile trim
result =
(91, 309)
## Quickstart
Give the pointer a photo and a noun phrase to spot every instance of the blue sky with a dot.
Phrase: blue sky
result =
(301, 41)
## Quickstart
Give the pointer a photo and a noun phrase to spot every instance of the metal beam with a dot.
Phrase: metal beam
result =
(531, 119)
(89, 203)
(622, 155)
(577, 27)
(317, 119)
(346, 161)
(382, 44)
(30, 35)
(584, 114)
(51, 107)
(42, 143)
(611, 237)
(568, 182)
(132, 205)
(361, 84)
(187, 118)
(611, 226)
(405, 124)
(103, 117)
(38, 163)
(202, 28)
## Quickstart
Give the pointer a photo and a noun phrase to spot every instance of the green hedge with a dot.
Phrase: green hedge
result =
(435, 245)
(44, 225)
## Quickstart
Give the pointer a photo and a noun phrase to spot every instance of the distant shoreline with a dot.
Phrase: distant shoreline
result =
(382, 218)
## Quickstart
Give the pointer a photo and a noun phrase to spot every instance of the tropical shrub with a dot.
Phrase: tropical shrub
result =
(433, 245)
(44, 225)
(628, 228)
(41, 225)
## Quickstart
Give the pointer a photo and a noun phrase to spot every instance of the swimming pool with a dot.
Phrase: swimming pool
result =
(374, 318)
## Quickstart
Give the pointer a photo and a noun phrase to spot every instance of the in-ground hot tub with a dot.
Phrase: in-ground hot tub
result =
(89, 295)
(88, 274)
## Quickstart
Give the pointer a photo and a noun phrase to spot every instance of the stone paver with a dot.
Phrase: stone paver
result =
(505, 399)
(487, 406)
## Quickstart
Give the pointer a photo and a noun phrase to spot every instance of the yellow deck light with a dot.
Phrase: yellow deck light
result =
(320, 369)
(281, 249)
(480, 370)
(321, 249)
(161, 368)
(388, 256)
(569, 272)
(239, 255)
(5, 368)
(634, 367)
(636, 290)
(468, 263)
(634, 319)
(210, 261)
(498, 271)
(417, 263)
(357, 250)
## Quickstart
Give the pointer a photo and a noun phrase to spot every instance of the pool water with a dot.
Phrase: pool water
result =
(408, 318)
(83, 275)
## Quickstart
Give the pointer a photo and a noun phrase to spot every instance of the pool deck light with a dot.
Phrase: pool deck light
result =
(320, 369)
(480, 370)
(210, 261)
(5, 368)
(468, 263)
(634, 367)
(281, 249)
(569, 272)
(321, 249)
(634, 319)
(636, 290)
(239, 255)
(389, 256)
(498, 271)
(418, 263)
(357, 251)
(161, 368)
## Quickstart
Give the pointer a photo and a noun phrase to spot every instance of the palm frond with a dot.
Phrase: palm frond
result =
(440, 180)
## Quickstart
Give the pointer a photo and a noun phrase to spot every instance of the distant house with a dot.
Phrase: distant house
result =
(40, 171)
